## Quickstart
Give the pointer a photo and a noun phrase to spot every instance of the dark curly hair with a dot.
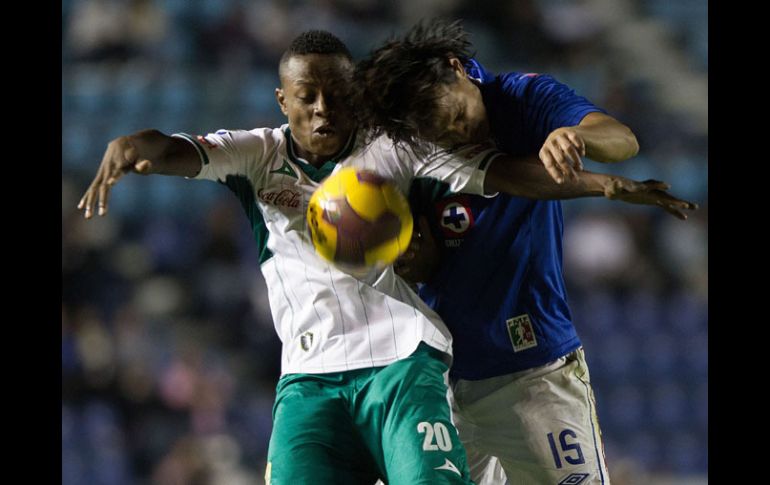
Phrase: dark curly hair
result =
(315, 42)
(395, 85)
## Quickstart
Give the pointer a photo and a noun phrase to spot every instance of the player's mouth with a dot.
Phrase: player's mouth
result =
(325, 131)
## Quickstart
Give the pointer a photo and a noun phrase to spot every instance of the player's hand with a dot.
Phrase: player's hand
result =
(120, 158)
(649, 192)
(420, 259)
(561, 154)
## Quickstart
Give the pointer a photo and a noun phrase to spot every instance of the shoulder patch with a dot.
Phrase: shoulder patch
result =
(203, 140)
(521, 332)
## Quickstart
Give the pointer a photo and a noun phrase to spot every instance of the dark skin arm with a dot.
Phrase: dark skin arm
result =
(145, 152)
(528, 178)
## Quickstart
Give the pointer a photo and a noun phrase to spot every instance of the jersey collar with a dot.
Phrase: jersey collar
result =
(317, 174)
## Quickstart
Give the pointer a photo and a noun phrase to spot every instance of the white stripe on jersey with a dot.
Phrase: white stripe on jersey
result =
(329, 320)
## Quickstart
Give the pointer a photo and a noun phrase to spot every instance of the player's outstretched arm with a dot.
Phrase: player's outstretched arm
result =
(649, 192)
(145, 152)
(598, 136)
(523, 178)
(607, 140)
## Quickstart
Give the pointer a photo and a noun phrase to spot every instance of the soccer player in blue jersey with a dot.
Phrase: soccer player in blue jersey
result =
(522, 393)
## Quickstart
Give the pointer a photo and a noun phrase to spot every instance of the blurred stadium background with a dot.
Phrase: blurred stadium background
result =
(169, 359)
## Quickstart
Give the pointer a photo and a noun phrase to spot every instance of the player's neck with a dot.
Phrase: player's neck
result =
(317, 160)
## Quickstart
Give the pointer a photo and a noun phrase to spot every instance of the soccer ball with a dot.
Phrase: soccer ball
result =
(359, 220)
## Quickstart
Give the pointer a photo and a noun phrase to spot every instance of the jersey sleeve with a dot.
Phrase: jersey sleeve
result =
(477, 71)
(227, 153)
(549, 103)
(462, 168)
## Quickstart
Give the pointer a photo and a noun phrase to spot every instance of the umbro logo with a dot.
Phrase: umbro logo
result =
(448, 465)
(574, 479)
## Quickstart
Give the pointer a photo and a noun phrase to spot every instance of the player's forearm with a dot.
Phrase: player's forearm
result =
(167, 155)
(606, 139)
(528, 178)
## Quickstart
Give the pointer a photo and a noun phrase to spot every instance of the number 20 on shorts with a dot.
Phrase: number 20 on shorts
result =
(436, 436)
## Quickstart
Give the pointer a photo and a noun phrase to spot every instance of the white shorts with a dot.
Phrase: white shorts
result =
(537, 426)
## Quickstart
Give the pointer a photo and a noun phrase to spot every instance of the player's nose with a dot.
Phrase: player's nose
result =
(321, 106)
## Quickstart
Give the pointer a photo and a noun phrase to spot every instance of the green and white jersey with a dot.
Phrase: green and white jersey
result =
(327, 319)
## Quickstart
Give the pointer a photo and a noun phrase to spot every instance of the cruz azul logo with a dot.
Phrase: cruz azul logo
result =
(455, 217)
(284, 198)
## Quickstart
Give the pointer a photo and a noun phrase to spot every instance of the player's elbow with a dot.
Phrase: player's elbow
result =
(629, 143)
(626, 146)
(633, 144)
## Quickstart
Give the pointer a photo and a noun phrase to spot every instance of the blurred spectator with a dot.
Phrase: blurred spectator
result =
(108, 30)
(96, 31)
(146, 27)
(600, 248)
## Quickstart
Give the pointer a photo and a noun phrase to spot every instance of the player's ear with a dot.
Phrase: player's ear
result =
(457, 67)
(281, 100)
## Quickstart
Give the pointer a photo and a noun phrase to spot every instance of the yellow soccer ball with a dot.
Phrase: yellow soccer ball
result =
(359, 220)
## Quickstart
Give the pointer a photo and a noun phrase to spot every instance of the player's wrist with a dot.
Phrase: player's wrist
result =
(595, 184)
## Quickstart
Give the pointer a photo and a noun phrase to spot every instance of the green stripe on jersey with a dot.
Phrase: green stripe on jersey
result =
(245, 192)
(425, 190)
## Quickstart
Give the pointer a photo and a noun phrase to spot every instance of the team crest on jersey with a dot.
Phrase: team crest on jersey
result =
(574, 479)
(455, 217)
(522, 334)
(306, 341)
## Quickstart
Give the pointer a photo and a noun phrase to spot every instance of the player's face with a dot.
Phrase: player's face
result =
(460, 116)
(313, 96)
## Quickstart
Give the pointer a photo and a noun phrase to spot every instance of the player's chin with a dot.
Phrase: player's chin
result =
(327, 143)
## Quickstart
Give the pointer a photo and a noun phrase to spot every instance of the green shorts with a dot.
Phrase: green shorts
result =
(353, 427)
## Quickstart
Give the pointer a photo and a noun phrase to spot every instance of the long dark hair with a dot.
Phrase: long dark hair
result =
(396, 84)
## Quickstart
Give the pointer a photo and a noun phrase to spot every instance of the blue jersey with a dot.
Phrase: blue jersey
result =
(499, 286)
